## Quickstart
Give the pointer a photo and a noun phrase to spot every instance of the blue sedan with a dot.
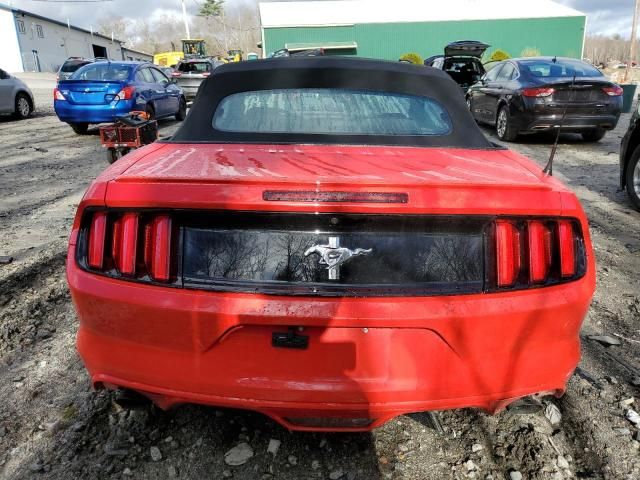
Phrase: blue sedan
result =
(103, 91)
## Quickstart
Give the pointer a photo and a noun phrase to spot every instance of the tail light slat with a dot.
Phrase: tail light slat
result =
(126, 261)
(539, 251)
(97, 238)
(160, 246)
(507, 253)
(567, 249)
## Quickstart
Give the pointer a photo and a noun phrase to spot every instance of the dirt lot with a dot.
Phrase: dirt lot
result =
(53, 426)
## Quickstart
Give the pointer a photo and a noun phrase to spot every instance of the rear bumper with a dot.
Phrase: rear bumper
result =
(368, 360)
(572, 123)
(189, 91)
(536, 115)
(70, 113)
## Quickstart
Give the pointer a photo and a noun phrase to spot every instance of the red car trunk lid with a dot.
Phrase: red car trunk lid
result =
(437, 180)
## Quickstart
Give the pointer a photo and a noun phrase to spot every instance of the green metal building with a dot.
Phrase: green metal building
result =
(386, 30)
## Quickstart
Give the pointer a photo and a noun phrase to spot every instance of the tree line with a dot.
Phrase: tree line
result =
(601, 49)
(222, 27)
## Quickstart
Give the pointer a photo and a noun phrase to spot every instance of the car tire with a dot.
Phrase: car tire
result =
(182, 110)
(504, 125)
(633, 178)
(594, 135)
(23, 107)
(150, 111)
(114, 154)
(80, 128)
(469, 106)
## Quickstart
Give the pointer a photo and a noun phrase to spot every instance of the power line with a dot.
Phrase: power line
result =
(72, 1)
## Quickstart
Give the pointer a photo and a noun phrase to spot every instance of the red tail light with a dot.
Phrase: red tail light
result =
(176, 74)
(97, 237)
(158, 246)
(507, 253)
(140, 245)
(538, 92)
(125, 260)
(614, 91)
(206, 74)
(127, 93)
(57, 95)
(567, 242)
(539, 251)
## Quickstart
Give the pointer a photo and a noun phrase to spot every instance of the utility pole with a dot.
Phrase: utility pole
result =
(184, 19)
(224, 27)
(634, 39)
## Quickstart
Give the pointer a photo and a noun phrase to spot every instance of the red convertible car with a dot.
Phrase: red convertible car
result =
(331, 242)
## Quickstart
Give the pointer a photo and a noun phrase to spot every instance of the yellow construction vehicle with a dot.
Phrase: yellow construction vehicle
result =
(167, 59)
(194, 47)
(235, 55)
(190, 48)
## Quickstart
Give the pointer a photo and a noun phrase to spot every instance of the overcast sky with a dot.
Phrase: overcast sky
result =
(604, 16)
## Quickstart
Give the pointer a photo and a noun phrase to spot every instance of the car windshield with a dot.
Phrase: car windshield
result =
(103, 71)
(331, 111)
(558, 69)
(462, 65)
(196, 67)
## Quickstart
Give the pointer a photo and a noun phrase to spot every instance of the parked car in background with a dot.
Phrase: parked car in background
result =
(15, 97)
(190, 73)
(70, 65)
(528, 95)
(384, 258)
(284, 52)
(103, 91)
(630, 160)
(168, 71)
(461, 60)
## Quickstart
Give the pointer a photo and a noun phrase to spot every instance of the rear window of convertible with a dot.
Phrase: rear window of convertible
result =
(331, 111)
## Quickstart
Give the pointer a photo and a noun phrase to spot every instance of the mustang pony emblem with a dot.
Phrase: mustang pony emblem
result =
(333, 255)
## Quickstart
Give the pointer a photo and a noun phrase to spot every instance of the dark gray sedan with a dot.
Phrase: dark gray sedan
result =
(527, 95)
(15, 97)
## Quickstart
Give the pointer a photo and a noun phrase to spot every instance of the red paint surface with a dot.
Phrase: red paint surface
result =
(368, 357)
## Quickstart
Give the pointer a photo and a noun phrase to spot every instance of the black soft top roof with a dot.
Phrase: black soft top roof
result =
(330, 72)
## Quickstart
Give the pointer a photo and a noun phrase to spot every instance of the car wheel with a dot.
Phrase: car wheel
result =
(594, 135)
(150, 111)
(23, 106)
(182, 110)
(633, 178)
(504, 125)
(80, 128)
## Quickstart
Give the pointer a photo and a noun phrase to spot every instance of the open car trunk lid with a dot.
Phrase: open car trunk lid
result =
(433, 180)
(465, 48)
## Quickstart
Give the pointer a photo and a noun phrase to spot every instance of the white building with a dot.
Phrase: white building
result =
(32, 43)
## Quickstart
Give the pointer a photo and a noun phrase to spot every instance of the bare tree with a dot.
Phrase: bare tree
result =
(117, 27)
(239, 28)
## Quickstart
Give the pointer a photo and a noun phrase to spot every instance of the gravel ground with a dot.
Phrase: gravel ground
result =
(53, 426)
